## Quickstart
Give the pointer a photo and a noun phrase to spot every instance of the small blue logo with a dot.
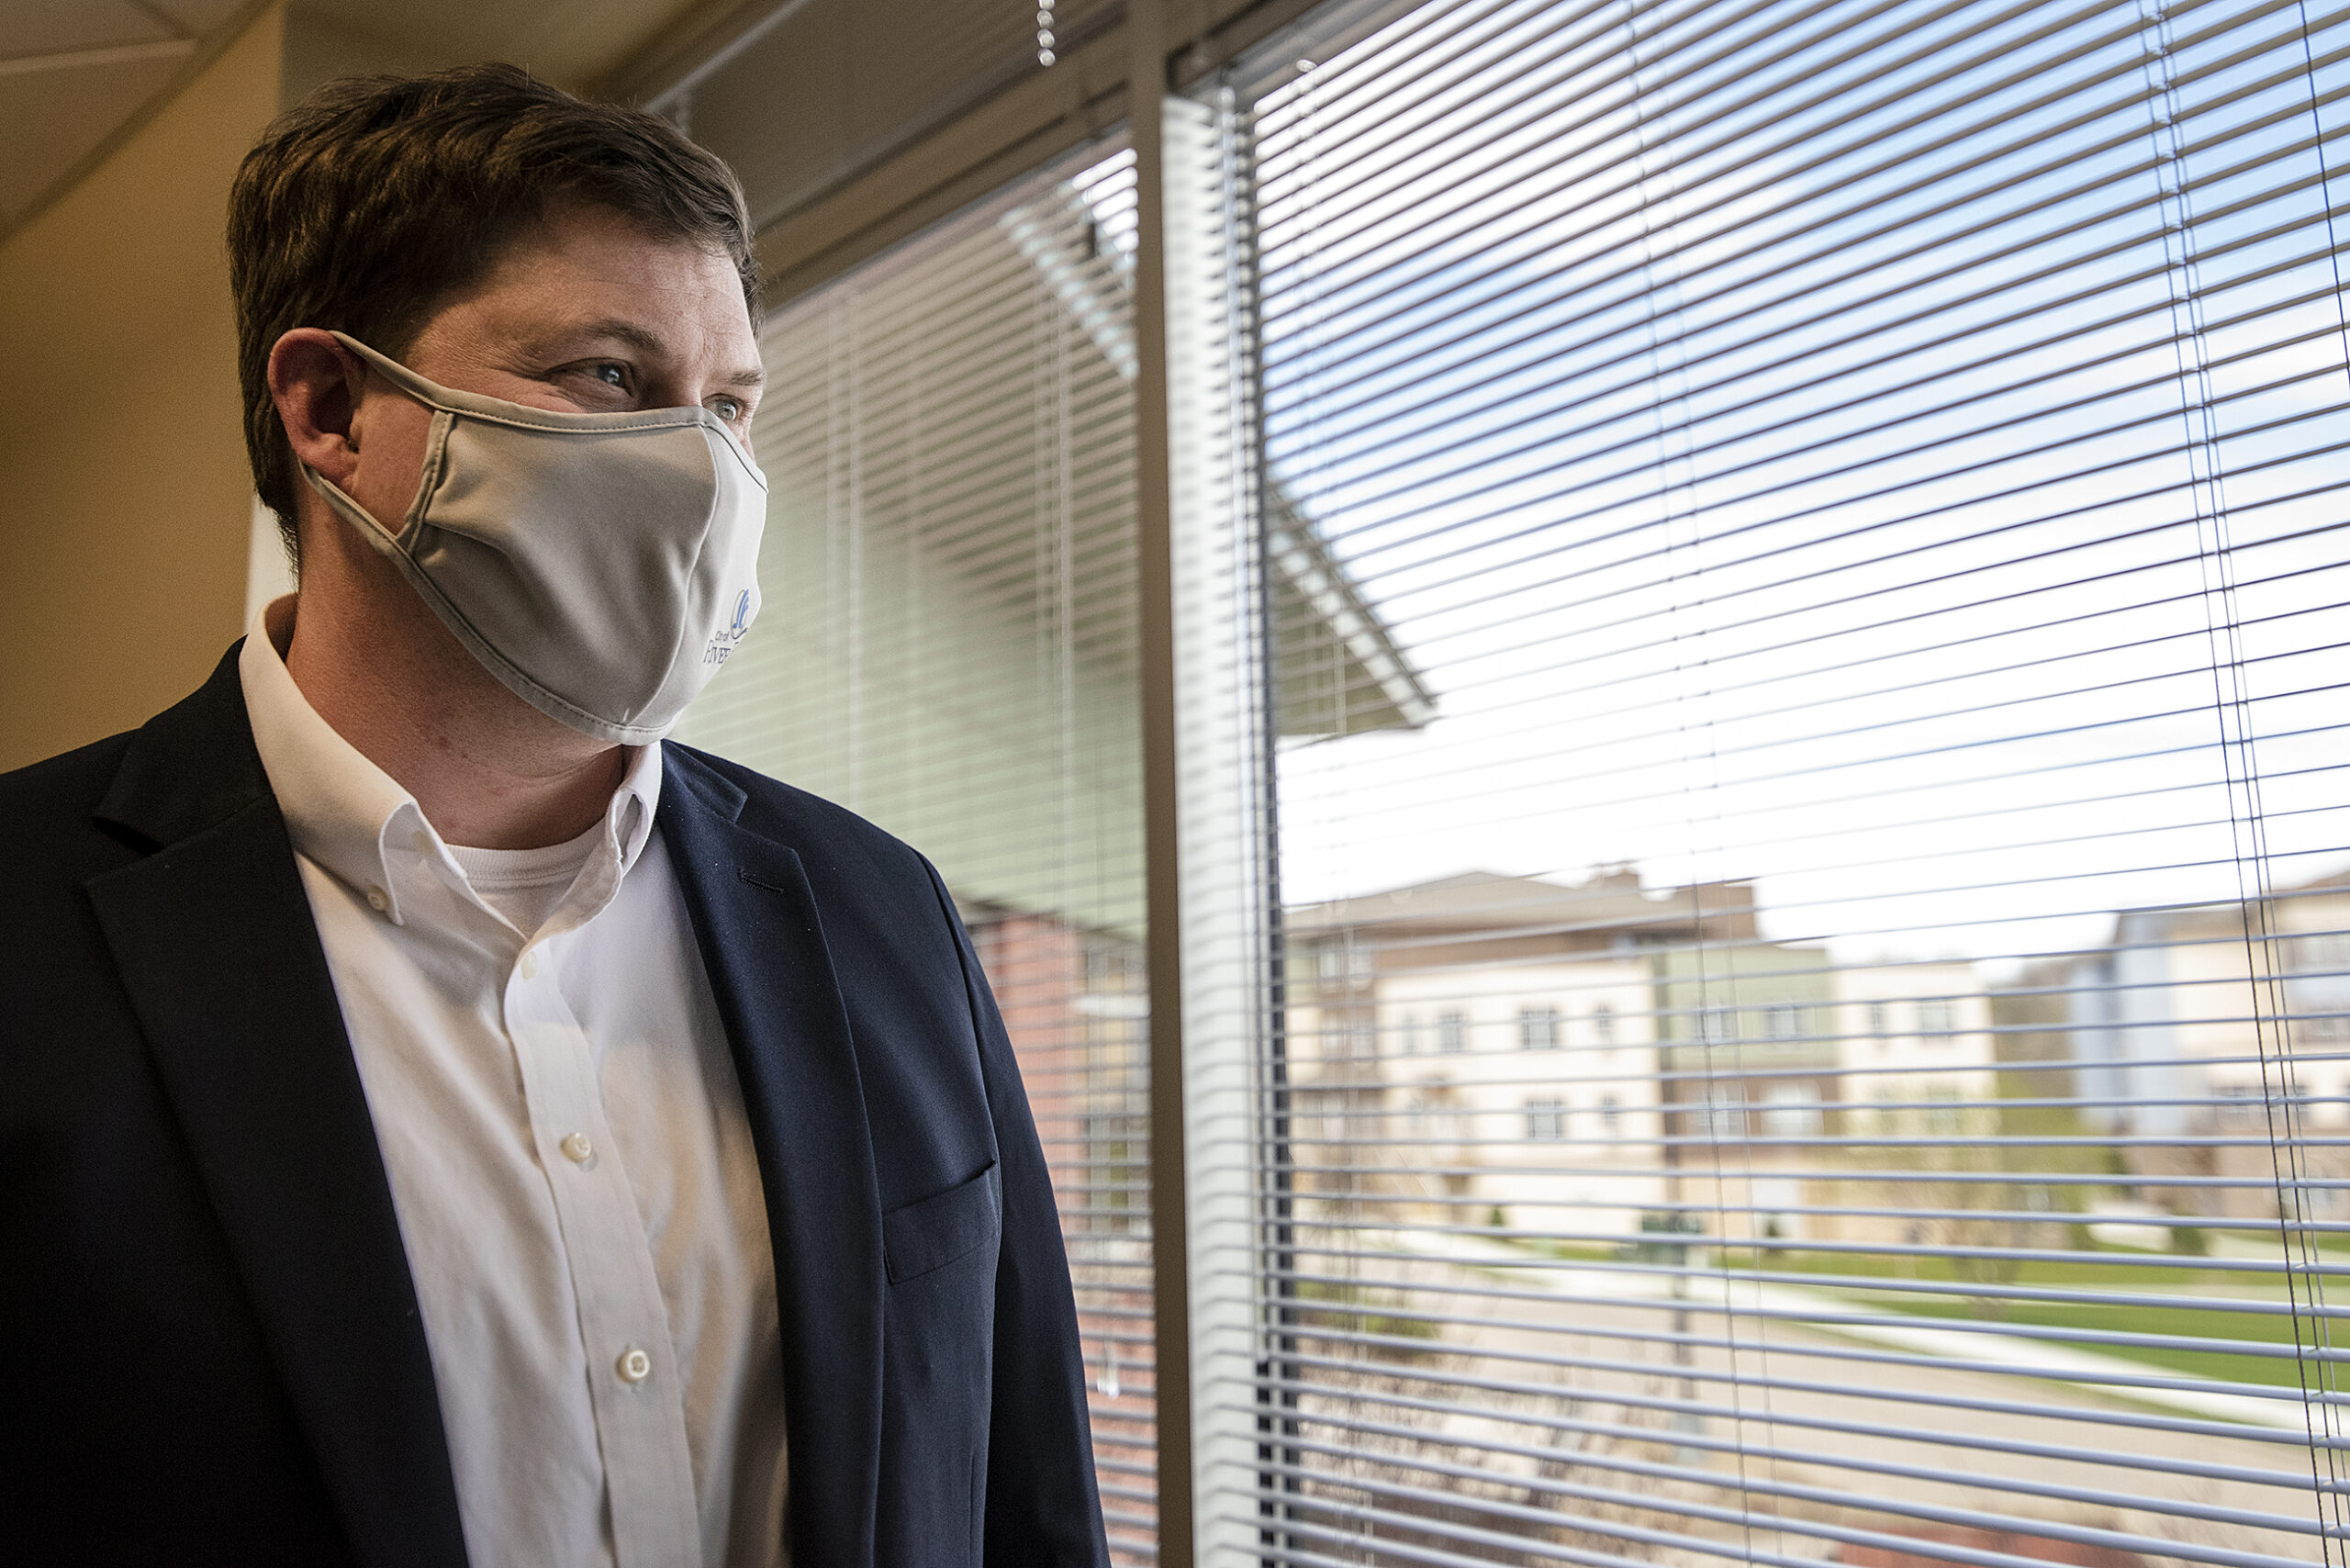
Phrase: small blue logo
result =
(722, 643)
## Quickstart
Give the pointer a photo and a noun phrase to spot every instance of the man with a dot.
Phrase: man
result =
(439, 1121)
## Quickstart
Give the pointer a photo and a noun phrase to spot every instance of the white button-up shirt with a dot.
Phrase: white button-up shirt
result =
(569, 1154)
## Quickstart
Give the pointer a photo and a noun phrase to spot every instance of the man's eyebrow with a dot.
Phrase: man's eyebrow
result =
(641, 339)
(649, 342)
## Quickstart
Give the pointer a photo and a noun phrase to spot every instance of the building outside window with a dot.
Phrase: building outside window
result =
(1451, 1031)
(1722, 1113)
(1792, 1110)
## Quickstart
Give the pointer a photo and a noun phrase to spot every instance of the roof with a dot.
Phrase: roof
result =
(1488, 905)
(1342, 671)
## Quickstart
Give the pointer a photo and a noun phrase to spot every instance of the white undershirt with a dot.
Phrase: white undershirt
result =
(525, 885)
(569, 1158)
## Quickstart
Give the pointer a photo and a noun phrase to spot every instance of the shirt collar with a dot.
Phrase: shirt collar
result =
(630, 817)
(350, 816)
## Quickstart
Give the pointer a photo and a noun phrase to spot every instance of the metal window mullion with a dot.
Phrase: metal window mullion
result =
(1146, 91)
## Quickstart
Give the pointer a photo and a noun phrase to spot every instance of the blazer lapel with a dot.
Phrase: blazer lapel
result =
(754, 919)
(218, 953)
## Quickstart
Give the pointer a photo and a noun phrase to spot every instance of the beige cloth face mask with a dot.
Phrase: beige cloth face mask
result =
(602, 566)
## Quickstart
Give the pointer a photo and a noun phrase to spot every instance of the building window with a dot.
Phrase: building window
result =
(1937, 1017)
(1410, 1034)
(1537, 1028)
(1451, 1033)
(1546, 1121)
(2320, 951)
(1717, 1026)
(1602, 1024)
(1611, 1116)
(1723, 1113)
(1792, 1110)
(2239, 1104)
(1783, 1021)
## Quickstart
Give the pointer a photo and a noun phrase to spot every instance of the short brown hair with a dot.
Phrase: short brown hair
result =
(368, 204)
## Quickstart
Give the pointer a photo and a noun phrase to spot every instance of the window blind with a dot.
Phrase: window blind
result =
(946, 646)
(1825, 1038)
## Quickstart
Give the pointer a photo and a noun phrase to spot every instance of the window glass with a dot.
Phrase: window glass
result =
(1841, 507)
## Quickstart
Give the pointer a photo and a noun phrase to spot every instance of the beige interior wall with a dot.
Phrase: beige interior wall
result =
(123, 496)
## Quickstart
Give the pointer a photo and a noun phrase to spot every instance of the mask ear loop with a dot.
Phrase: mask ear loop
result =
(430, 472)
(339, 501)
(403, 379)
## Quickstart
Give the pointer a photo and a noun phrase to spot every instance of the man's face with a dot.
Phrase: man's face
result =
(586, 314)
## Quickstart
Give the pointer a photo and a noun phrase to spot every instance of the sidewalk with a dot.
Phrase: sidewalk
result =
(1988, 1350)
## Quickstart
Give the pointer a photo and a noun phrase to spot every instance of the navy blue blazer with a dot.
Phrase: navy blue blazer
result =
(210, 1349)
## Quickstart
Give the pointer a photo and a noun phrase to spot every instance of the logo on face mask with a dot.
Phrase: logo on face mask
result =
(722, 643)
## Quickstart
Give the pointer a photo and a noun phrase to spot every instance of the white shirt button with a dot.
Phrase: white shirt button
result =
(377, 901)
(578, 1149)
(528, 966)
(635, 1366)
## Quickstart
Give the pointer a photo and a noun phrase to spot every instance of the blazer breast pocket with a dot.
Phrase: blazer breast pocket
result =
(930, 1233)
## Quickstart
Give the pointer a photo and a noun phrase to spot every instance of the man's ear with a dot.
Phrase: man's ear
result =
(316, 383)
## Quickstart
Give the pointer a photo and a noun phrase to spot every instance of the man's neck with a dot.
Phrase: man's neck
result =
(488, 770)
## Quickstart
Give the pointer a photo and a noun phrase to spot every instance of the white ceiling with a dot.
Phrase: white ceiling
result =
(72, 71)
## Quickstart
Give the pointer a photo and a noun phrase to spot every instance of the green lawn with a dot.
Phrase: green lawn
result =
(2255, 1329)
(2186, 1322)
(2150, 1277)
